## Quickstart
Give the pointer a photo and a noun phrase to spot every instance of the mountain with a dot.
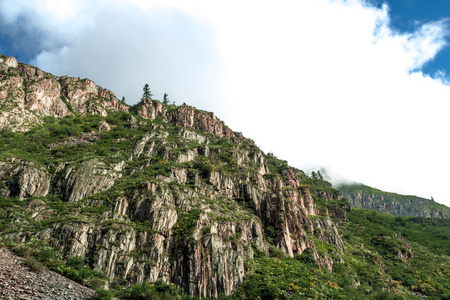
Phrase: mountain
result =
(157, 201)
(362, 196)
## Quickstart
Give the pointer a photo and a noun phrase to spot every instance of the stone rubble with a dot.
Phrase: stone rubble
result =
(18, 281)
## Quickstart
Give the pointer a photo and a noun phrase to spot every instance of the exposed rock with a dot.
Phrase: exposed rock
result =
(405, 252)
(87, 138)
(186, 116)
(27, 93)
(87, 97)
(103, 126)
(150, 109)
(43, 98)
(90, 178)
(8, 62)
(23, 180)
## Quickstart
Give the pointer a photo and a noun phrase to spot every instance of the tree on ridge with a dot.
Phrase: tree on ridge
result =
(147, 93)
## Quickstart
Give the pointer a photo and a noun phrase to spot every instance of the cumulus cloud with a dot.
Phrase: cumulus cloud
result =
(332, 85)
(124, 47)
(321, 83)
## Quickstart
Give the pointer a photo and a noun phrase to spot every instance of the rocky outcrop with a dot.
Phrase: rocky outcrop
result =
(23, 180)
(185, 116)
(86, 97)
(90, 178)
(7, 62)
(27, 94)
(405, 252)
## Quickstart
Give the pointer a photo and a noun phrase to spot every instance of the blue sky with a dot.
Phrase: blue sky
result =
(407, 15)
(357, 87)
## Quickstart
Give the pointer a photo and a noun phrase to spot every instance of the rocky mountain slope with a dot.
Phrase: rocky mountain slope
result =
(363, 196)
(170, 194)
(182, 198)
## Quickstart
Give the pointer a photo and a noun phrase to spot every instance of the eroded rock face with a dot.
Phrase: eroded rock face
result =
(86, 97)
(185, 116)
(8, 62)
(90, 178)
(23, 180)
(43, 98)
(196, 238)
(27, 94)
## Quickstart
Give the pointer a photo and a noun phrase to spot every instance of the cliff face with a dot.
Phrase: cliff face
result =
(170, 193)
(362, 196)
(27, 94)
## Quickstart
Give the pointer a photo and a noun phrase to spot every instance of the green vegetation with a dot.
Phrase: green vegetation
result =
(186, 223)
(39, 257)
(373, 268)
(147, 94)
(385, 257)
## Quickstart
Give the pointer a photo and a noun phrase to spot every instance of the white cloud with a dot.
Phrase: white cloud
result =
(318, 82)
(122, 48)
(334, 86)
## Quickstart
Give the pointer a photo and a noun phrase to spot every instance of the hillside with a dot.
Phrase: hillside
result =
(362, 196)
(159, 201)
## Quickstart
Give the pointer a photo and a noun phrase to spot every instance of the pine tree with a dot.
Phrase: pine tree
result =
(166, 98)
(123, 99)
(319, 175)
(313, 175)
(147, 93)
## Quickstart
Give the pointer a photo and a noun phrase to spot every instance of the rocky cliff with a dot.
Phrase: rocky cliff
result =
(27, 94)
(362, 196)
(152, 191)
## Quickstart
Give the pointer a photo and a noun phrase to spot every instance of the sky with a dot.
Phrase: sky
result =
(360, 88)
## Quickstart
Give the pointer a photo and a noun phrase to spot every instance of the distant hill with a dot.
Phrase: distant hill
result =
(363, 196)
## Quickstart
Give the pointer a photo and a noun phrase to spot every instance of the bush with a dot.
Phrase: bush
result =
(102, 294)
(275, 252)
(270, 233)
(306, 257)
(75, 262)
(34, 264)
(45, 255)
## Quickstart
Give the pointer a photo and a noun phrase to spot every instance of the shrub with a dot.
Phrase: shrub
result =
(275, 252)
(75, 262)
(102, 294)
(45, 255)
(306, 257)
(270, 234)
(34, 264)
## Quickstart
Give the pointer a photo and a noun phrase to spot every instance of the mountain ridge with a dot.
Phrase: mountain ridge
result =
(363, 196)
